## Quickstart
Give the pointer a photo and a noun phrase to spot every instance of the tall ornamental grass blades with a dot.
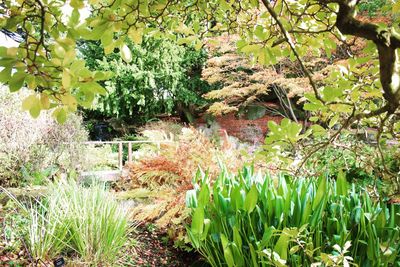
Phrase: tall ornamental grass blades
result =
(97, 224)
(255, 220)
(86, 222)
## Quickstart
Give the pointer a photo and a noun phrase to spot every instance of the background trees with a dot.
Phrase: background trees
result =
(362, 92)
(161, 78)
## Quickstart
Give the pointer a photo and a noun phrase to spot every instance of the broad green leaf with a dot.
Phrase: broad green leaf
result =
(35, 110)
(5, 75)
(251, 48)
(331, 93)
(281, 247)
(198, 221)
(59, 51)
(237, 238)
(66, 79)
(60, 114)
(341, 184)
(341, 108)
(17, 80)
(135, 35)
(251, 199)
(321, 192)
(227, 251)
(29, 102)
(44, 101)
(204, 196)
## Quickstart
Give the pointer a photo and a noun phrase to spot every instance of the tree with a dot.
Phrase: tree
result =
(161, 78)
(365, 92)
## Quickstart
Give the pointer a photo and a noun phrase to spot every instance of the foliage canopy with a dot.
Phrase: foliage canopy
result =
(362, 92)
(161, 77)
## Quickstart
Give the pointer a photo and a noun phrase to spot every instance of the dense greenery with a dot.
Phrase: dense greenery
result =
(373, 6)
(162, 77)
(256, 220)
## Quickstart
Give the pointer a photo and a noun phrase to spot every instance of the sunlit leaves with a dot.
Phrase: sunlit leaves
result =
(17, 80)
(32, 104)
(135, 35)
(60, 114)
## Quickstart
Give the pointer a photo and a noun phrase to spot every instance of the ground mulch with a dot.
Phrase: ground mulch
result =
(153, 249)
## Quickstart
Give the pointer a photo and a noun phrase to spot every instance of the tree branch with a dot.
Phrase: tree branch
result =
(289, 40)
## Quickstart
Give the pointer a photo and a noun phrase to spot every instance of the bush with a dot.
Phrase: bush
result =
(85, 221)
(35, 144)
(362, 163)
(255, 220)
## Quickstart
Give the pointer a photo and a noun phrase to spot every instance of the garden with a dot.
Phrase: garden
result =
(199, 133)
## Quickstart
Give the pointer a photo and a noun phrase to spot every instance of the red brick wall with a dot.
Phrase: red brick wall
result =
(245, 130)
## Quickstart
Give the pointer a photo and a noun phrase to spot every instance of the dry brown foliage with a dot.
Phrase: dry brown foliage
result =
(170, 172)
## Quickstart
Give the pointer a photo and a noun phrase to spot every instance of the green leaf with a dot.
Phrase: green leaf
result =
(59, 51)
(227, 251)
(17, 80)
(331, 93)
(321, 191)
(60, 114)
(29, 102)
(251, 48)
(94, 87)
(341, 184)
(254, 258)
(35, 111)
(204, 196)
(135, 35)
(66, 79)
(251, 199)
(318, 130)
(198, 221)
(341, 108)
(5, 75)
(237, 238)
(281, 247)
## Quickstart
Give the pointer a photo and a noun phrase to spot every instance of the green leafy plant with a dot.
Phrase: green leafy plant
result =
(256, 220)
(372, 7)
(71, 218)
(97, 225)
(38, 177)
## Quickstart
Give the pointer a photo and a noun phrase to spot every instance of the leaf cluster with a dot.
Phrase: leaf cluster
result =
(251, 219)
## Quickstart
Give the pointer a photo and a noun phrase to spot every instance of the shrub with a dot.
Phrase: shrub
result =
(35, 144)
(86, 221)
(362, 163)
(255, 220)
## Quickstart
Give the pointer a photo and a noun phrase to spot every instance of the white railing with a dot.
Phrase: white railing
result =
(121, 148)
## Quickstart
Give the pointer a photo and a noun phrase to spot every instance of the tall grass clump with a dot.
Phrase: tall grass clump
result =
(45, 231)
(97, 224)
(86, 222)
(255, 220)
